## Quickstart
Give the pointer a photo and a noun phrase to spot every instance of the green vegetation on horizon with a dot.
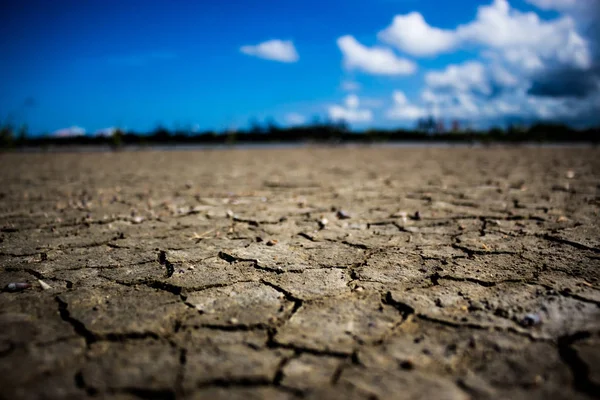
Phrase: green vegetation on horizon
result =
(316, 133)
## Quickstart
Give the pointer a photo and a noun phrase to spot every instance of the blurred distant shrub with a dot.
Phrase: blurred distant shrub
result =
(231, 137)
(116, 139)
(6, 136)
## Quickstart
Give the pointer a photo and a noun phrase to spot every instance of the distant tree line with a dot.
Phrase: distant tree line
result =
(426, 130)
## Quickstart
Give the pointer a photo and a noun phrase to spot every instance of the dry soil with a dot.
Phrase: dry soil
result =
(408, 273)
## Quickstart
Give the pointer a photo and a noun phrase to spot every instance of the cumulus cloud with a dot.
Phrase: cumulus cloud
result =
(276, 50)
(350, 111)
(517, 104)
(500, 27)
(502, 77)
(528, 68)
(373, 60)
(565, 83)
(69, 132)
(523, 38)
(413, 35)
(571, 109)
(468, 76)
(472, 76)
(295, 119)
(402, 109)
(457, 105)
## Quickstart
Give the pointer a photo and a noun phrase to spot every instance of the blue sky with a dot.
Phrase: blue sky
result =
(91, 65)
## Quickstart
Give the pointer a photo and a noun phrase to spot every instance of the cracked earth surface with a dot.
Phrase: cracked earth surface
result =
(451, 273)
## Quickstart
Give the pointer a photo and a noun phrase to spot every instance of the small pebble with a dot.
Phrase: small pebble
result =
(570, 174)
(476, 306)
(502, 312)
(531, 320)
(401, 214)
(16, 286)
(341, 214)
(162, 257)
(272, 242)
(323, 222)
(44, 285)
(233, 321)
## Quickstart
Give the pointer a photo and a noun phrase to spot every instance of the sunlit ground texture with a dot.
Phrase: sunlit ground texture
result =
(408, 273)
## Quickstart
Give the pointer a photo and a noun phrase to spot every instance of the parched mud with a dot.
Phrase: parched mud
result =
(414, 273)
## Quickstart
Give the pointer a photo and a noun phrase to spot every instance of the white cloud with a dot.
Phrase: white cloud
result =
(106, 132)
(502, 76)
(470, 75)
(461, 105)
(500, 27)
(69, 132)
(295, 119)
(473, 77)
(524, 59)
(351, 111)
(564, 109)
(458, 105)
(399, 98)
(428, 96)
(531, 69)
(523, 38)
(374, 60)
(352, 101)
(515, 104)
(403, 109)
(350, 86)
(413, 35)
(564, 5)
(339, 113)
(526, 38)
(276, 50)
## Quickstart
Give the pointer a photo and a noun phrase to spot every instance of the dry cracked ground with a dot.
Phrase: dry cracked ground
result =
(405, 273)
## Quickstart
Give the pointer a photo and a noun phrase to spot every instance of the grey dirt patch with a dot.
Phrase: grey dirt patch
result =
(417, 273)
